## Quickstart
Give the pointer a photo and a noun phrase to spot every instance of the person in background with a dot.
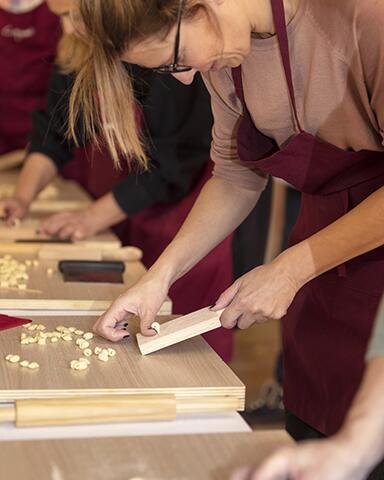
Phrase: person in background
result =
(29, 34)
(177, 122)
(355, 450)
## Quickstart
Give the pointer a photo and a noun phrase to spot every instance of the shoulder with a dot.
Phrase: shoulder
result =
(343, 23)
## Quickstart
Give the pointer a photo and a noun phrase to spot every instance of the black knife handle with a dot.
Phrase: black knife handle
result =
(83, 265)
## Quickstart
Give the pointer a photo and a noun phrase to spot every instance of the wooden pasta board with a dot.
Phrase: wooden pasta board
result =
(188, 457)
(50, 292)
(187, 370)
(69, 195)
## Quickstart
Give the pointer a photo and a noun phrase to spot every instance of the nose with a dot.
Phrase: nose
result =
(186, 77)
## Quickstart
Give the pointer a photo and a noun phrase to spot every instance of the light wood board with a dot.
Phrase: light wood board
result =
(188, 370)
(189, 457)
(180, 329)
(70, 195)
(51, 292)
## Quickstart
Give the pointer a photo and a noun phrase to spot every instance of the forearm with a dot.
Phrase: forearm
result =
(357, 232)
(38, 171)
(219, 209)
(105, 212)
(364, 425)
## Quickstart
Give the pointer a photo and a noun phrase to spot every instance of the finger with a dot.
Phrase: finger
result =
(226, 297)
(242, 474)
(114, 317)
(66, 231)
(54, 223)
(248, 319)
(78, 234)
(230, 317)
(278, 467)
(147, 317)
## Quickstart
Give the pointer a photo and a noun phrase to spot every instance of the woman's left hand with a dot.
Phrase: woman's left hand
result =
(260, 295)
(70, 225)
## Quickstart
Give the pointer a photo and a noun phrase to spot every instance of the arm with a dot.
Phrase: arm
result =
(48, 150)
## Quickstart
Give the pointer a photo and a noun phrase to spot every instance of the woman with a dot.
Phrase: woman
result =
(313, 120)
(356, 449)
(29, 33)
(152, 206)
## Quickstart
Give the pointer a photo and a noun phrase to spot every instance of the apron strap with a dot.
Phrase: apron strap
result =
(282, 36)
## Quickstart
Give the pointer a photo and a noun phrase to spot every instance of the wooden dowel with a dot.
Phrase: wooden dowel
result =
(88, 410)
(7, 414)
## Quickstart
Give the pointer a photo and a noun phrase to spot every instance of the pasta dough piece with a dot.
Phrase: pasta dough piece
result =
(156, 326)
(88, 336)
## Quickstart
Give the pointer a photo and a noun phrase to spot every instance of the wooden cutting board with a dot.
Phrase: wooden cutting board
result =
(188, 457)
(190, 369)
(49, 291)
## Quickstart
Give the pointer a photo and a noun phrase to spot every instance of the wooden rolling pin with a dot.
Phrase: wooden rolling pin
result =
(72, 252)
(111, 409)
(88, 410)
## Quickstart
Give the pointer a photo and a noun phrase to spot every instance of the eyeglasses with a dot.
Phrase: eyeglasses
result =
(175, 67)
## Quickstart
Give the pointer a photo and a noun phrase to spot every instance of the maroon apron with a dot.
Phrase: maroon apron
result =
(327, 327)
(28, 44)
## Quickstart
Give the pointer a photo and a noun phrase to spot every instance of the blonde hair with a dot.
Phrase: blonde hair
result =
(103, 95)
(72, 53)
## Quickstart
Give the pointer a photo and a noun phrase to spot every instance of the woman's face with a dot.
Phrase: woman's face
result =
(207, 42)
(62, 8)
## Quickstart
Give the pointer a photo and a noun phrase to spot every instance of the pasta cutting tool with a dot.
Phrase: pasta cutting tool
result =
(92, 271)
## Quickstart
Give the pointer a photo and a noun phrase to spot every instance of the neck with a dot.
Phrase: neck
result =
(260, 14)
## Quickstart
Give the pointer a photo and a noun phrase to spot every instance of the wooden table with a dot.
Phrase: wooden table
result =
(60, 195)
(190, 457)
(49, 292)
(187, 370)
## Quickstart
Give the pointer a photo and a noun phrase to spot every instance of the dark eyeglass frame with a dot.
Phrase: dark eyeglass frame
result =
(175, 67)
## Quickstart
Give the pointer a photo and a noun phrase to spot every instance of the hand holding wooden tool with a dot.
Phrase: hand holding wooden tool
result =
(180, 329)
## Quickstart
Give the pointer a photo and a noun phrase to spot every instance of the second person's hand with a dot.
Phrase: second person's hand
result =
(13, 209)
(69, 225)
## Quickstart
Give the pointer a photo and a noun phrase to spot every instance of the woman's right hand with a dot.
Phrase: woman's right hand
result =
(144, 300)
(13, 209)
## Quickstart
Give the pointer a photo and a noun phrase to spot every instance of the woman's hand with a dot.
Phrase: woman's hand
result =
(69, 225)
(260, 295)
(13, 209)
(81, 224)
(319, 460)
(144, 300)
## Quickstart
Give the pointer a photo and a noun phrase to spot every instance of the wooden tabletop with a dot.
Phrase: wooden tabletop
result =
(189, 369)
(49, 291)
(190, 457)
(58, 196)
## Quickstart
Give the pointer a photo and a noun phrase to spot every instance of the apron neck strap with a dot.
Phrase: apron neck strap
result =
(282, 36)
